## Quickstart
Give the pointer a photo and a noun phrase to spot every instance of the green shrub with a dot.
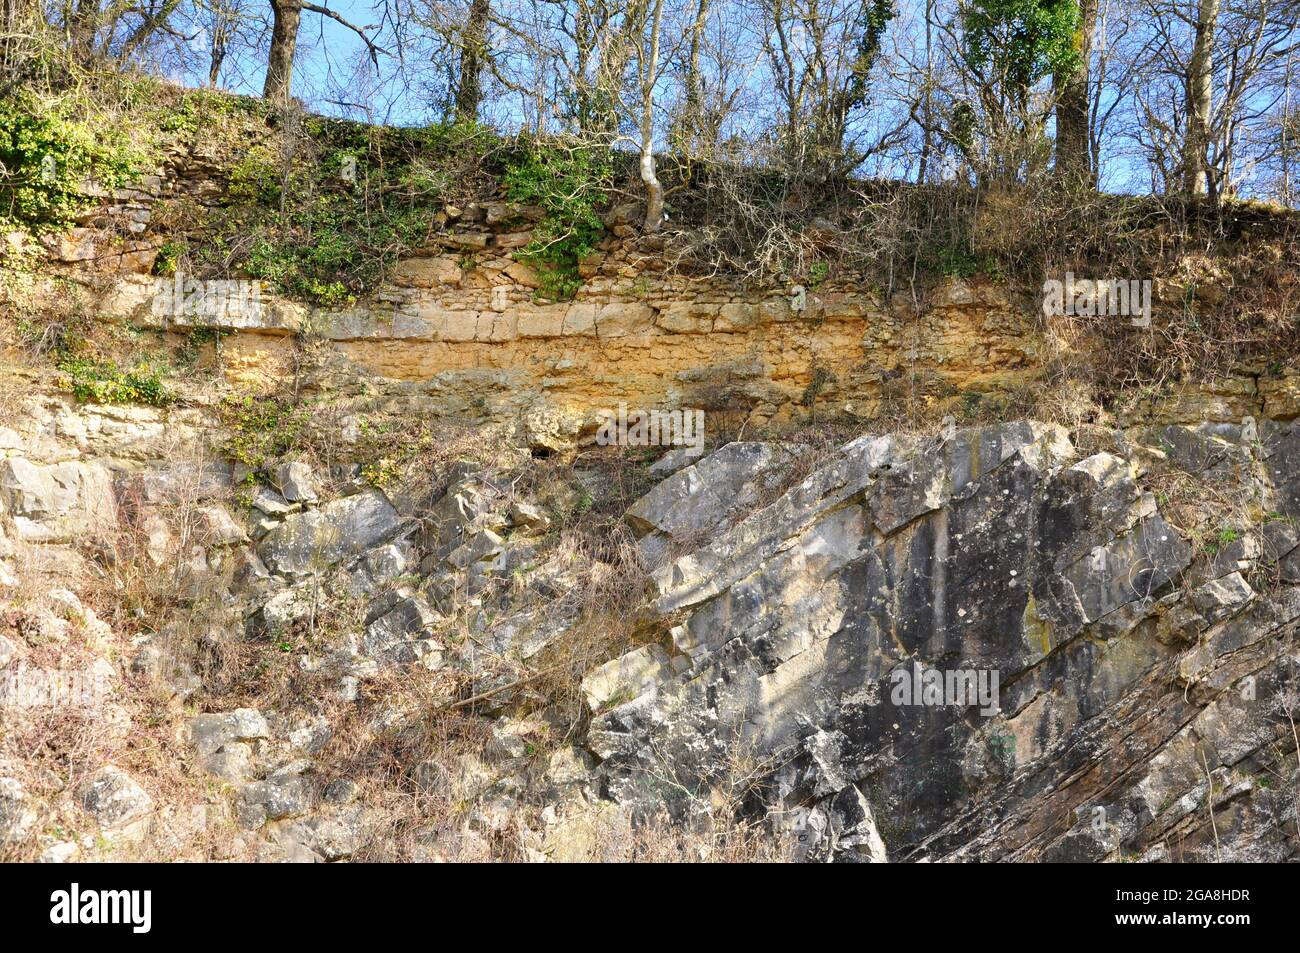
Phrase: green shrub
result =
(263, 429)
(316, 234)
(46, 157)
(103, 382)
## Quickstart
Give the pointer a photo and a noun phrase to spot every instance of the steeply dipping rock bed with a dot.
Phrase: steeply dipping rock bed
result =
(353, 672)
(1131, 679)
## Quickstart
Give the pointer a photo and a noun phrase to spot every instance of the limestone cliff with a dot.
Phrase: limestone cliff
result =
(393, 674)
(319, 582)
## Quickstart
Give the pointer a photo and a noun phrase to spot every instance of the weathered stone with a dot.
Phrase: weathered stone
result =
(271, 503)
(467, 241)
(210, 733)
(707, 494)
(427, 272)
(580, 319)
(402, 635)
(113, 798)
(541, 321)
(334, 836)
(528, 515)
(483, 546)
(57, 502)
(297, 483)
(311, 541)
(569, 764)
(17, 818)
(513, 740)
(220, 528)
(340, 791)
(628, 677)
(1205, 606)
(288, 795)
(617, 319)
(675, 460)
(498, 213)
(233, 763)
(984, 549)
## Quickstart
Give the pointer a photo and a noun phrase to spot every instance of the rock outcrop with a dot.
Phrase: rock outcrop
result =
(977, 644)
(1111, 697)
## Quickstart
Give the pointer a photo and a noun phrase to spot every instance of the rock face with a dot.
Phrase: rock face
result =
(979, 644)
(1005, 642)
(705, 495)
(114, 799)
(319, 538)
(461, 320)
(55, 502)
(962, 647)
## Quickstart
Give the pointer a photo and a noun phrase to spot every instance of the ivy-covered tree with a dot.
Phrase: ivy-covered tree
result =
(1009, 47)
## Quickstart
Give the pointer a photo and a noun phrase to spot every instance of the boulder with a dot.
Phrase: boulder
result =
(210, 733)
(319, 538)
(629, 676)
(17, 817)
(706, 495)
(113, 798)
(279, 796)
(297, 483)
(402, 634)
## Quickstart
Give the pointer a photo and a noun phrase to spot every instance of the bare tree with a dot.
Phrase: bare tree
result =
(821, 55)
(1200, 66)
(472, 53)
(286, 19)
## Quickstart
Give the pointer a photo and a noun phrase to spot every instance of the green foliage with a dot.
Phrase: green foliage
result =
(200, 107)
(46, 157)
(263, 429)
(169, 254)
(188, 352)
(255, 178)
(389, 448)
(955, 261)
(323, 225)
(103, 382)
(873, 19)
(570, 185)
(1019, 42)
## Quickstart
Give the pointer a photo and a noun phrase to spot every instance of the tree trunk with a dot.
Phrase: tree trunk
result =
(695, 132)
(83, 24)
(472, 53)
(654, 190)
(1073, 121)
(284, 39)
(1200, 70)
(927, 113)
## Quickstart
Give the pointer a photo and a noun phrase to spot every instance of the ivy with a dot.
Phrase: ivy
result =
(569, 185)
(1021, 41)
(324, 225)
(47, 159)
(263, 429)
